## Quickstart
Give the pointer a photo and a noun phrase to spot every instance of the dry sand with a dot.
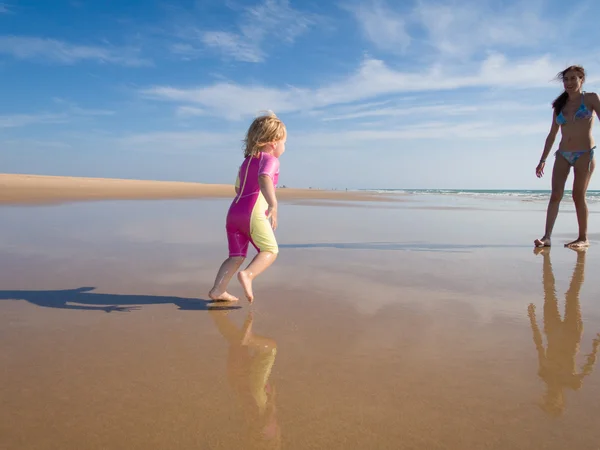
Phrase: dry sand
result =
(40, 189)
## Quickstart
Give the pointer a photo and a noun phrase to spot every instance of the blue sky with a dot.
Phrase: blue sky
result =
(375, 94)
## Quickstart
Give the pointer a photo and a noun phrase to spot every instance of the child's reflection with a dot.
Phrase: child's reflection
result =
(250, 360)
(557, 362)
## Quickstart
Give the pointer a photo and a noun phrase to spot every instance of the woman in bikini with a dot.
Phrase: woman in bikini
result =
(573, 116)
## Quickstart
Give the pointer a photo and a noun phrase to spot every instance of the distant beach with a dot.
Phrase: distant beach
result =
(40, 189)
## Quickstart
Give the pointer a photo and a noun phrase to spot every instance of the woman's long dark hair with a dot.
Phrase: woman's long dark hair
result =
(559, 102)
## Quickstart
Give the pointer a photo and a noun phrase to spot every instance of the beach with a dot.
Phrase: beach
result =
(389, 321)
(42, 189)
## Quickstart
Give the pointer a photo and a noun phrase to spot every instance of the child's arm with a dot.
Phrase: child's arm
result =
(268, 191)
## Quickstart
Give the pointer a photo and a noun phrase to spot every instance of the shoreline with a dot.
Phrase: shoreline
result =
(24, 189)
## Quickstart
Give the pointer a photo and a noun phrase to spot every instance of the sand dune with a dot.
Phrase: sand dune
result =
(39, 189)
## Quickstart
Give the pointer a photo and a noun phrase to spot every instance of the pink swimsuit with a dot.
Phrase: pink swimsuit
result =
(247, 217)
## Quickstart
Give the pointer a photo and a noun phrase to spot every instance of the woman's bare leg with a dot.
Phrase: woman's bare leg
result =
(560, 173)
(226, 271)
(255, 268)
(583, 174)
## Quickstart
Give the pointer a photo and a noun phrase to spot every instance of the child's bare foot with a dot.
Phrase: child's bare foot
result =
(222, 296)
(578, 243)
(543, 242)
(246, 282)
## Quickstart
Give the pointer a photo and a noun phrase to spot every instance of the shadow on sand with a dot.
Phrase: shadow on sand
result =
(83, 299)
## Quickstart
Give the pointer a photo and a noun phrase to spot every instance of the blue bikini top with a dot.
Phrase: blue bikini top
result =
(581, 113)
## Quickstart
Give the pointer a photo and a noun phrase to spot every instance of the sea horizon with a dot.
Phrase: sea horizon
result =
(518, 194)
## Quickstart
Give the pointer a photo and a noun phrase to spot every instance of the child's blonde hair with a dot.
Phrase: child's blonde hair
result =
(264, 129)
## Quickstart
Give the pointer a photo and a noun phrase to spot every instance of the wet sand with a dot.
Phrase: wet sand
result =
(41, 189)
(393, 330)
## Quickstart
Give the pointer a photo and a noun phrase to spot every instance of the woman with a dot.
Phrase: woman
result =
(573, 115)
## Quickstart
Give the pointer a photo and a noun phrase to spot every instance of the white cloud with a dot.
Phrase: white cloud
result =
(4, 8)
(178, 141)
(267, 22)
(391, 138)
(459, 29)
(20, 144)
(234, 45)
(41, 49)
(75, 110)
(275, 18)
(186, 51)
(441, 109)
(21, 120)
(372, 80)
(69, 111)
(190, 111)
(346, 139)
(229, 100)
(381, 25)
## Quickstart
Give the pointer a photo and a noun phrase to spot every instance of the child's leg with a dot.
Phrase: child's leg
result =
(238, 248)
(263, 239)
(255, 268)
(226, 271)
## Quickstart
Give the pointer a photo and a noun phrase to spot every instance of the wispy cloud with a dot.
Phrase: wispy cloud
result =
(234, 45)
(371, 81)
(4, 8)
(178, 141)
(453, 28)
(440, 109)
(275, 19)
(228, 100)
(61, 52)
(444, 130)
(75, 110)
(190, 111)
(69, 111)
(460, 29)
(193, 142)
(381, 25)
(19, 144)
(21, 120)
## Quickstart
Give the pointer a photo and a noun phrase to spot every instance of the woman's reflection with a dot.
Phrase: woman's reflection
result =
(557, 361)
(250, 360)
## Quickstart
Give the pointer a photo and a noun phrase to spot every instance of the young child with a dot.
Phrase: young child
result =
(252, 208)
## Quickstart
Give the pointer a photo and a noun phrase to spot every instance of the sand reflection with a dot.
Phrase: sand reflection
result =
(557, 366)
(249, 363)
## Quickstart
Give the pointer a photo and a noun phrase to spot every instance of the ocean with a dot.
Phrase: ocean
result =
(525, 195)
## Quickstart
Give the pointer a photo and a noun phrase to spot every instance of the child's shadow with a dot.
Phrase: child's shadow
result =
(83, 299)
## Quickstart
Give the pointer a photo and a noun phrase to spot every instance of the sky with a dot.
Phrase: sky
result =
(440, 94)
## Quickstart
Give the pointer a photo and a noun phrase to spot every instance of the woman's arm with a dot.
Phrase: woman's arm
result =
(550, 138)
(596, 104)
(539, 170)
